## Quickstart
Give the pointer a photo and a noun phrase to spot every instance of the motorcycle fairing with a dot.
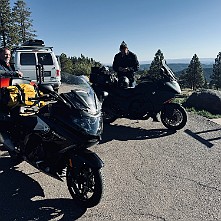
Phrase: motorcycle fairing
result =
(174, 86)
(86, 157)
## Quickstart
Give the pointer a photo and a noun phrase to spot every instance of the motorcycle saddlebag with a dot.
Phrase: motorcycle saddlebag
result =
(100, 76)
(18, 95)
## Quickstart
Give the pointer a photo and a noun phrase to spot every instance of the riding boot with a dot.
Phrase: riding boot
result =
(155, 118)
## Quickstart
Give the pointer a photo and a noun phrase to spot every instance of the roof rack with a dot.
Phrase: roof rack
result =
(23, 47)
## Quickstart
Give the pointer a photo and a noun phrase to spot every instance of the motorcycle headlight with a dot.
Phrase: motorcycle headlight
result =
(91, 125)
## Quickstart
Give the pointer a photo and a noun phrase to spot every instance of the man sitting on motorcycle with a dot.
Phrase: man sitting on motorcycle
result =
(125, 64)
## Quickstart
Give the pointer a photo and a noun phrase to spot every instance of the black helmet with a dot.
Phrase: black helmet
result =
(123, 45)
(123, 82)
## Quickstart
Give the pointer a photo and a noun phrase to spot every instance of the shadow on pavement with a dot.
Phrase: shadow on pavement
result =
(17, 190)
(206, 142)
(123, 133)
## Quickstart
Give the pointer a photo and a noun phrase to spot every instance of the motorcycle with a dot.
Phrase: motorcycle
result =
(55, 138)
(141, 102)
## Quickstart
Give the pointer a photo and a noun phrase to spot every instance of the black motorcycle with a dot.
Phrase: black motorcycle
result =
(145, 100)
(55, 138)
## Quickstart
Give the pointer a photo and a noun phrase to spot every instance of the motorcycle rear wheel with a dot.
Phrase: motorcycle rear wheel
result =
(86, 186)
(173, 116)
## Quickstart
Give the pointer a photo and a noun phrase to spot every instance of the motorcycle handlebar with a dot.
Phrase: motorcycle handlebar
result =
(50, 97)
(46, 97)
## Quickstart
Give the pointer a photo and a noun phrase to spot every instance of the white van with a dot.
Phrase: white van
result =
(33, 53)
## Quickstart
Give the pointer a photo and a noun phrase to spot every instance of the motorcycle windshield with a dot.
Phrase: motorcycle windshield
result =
(84, 110)
(173, 85)
(82, 96)
(167, 72)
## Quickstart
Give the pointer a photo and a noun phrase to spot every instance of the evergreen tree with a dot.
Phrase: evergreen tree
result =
(194, 76)
(66, 64)
(22, 30)
(82, 65)
(183, 79)
(5, 23)
(77, 65)
(216, 76)
(156, 64)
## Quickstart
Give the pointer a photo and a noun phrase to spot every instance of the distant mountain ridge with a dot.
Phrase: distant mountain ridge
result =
(183, 61)
(178, 68)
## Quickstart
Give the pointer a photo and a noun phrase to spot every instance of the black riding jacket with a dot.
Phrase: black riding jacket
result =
(129, 60)
(3, 66)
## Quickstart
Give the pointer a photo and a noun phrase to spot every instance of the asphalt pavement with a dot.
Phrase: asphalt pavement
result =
(150, 174)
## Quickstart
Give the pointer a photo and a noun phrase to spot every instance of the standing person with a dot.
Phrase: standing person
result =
(5, 64)
(125, 64)
(5, 57)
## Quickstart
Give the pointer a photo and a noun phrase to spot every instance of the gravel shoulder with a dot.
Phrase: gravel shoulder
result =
(217, 120)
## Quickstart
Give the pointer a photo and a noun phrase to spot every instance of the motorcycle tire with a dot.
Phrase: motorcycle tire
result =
(173, 116)
(86, 186)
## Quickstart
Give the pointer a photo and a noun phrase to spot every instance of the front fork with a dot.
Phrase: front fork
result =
(84, 158)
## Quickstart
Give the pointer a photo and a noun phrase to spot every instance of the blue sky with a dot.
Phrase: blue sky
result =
(95, 28)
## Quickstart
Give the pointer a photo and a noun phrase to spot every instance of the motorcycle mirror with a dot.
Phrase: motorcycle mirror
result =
(102, 96)
(105, 93)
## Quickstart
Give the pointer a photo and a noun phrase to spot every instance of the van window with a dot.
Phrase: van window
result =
(45, 58)
(27, 59)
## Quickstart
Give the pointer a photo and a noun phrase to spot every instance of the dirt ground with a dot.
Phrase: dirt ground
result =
(217, 120)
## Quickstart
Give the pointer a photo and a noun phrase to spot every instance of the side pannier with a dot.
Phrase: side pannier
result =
(19, 95)
(102, 76)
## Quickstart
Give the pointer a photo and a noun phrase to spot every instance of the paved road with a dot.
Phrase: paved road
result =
(150, 174)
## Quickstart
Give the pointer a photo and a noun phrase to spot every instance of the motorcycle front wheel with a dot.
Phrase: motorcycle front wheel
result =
(85, 185)
(173, 116)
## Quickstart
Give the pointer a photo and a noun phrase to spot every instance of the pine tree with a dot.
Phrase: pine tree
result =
(194, 76)
(66, 64)
(155, 65)
(216, 76)
(22, 30)
(183, 79)
(77, 65)
(5, 23)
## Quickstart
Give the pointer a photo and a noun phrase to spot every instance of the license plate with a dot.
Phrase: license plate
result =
(47, 74)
